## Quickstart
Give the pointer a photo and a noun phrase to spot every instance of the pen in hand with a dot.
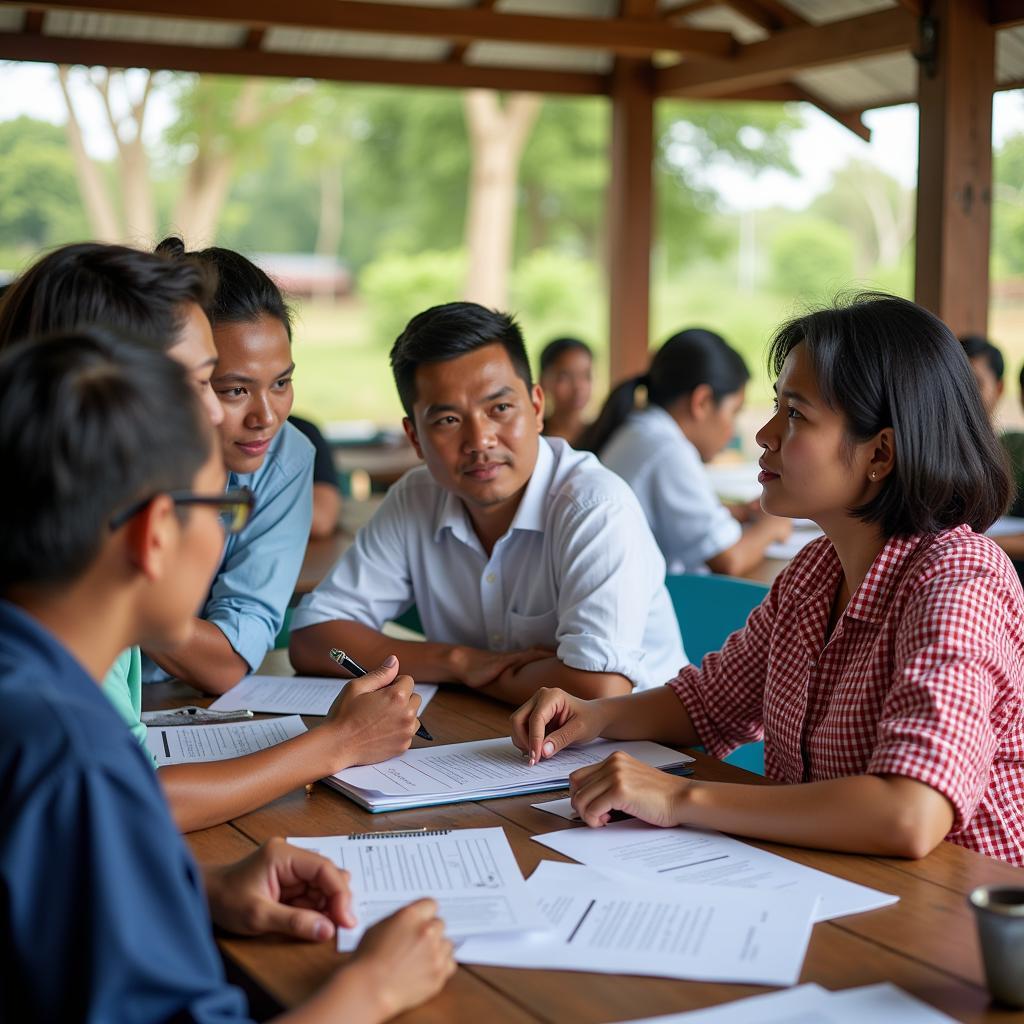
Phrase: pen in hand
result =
(350, 665)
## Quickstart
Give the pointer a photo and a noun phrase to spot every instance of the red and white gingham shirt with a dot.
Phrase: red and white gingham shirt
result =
(922, 677)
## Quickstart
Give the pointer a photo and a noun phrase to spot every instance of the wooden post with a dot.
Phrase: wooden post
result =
(954, 191)
(630, 216)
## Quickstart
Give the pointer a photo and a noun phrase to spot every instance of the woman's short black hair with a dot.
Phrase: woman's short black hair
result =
(976, 346)
(244, 291)
(883, 361)
(90, 422)
(138, 294)
(555, 349)
(447, 332)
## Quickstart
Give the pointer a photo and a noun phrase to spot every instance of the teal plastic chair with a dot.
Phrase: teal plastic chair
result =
(709, 608)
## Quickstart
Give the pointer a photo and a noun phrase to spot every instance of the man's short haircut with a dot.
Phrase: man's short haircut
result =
(447, 332)
(138, 294)
(881, 361)
(90, 422)
(557, 347)
(976, 346)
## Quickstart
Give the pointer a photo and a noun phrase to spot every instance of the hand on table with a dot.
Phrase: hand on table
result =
(552, 719)
(374, 717)
(281, 888)
(622, 783)
(477, 668)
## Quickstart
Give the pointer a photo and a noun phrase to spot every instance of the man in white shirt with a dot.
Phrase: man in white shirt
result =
(529, 563)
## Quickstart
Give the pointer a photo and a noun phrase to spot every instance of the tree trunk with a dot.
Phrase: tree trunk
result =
(328, 233)
(497, 138)
(103, 219)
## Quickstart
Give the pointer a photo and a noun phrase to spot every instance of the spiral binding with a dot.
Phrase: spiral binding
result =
(412, 833)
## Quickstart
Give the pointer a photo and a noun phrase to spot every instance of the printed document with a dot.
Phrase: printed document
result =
(471, 872)
(294, 695)
(708, 858)
(188, 744)
(706, 933)
(812, 1004)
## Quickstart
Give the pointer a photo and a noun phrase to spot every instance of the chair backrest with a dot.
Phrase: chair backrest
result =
(709, 608)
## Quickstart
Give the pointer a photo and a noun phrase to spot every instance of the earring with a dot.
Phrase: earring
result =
(873, 474)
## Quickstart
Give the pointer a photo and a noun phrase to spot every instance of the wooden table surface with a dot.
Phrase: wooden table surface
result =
(926, 943)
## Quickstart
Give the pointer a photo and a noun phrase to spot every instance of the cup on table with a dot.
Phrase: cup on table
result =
(999, 911)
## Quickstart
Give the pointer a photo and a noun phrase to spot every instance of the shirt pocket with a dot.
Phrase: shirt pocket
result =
(532, 630)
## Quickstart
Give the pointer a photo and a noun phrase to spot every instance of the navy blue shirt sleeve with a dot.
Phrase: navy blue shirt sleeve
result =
(323, 462)
(105, 914)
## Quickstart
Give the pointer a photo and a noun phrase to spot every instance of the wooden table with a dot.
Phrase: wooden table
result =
(926, 943)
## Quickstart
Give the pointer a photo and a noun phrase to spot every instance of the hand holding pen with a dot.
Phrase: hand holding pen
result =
(356, 670)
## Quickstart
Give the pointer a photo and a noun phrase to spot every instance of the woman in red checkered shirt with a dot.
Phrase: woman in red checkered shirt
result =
(885, 668)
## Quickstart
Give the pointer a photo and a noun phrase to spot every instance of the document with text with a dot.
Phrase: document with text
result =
(188, 744)
(295, 695)
(692, 856)
(479, 770)
(472, 873)
(706, 933)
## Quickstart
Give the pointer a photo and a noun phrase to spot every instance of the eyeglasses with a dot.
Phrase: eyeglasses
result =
(234, 507)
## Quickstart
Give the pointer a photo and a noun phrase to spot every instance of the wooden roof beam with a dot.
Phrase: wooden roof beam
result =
(244, 61)
(792, 92)
(457, 54)
(629, 36)
(771, 15)
(774, 60)
(1006, 13)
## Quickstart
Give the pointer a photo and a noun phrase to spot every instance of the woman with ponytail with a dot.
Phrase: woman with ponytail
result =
(694, 389)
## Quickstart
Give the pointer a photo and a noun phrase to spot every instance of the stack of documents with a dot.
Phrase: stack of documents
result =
(192, 744)
(479, 770)
(694, 857)
(471, 872)
(294, 695)
(812, 1004)
(706, 933)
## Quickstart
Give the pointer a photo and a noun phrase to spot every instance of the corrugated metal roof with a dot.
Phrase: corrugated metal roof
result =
(1010, 55)
(547, 58)
(11, 19)
(354, 44)
(821, 12)
(135, 28)
(859, 84)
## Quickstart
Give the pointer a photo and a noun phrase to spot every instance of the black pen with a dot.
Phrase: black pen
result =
(347, 663)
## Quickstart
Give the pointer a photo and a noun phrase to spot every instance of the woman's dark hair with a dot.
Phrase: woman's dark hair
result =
(882, 362)
(687, 360)
(138, 294)
(90, 422)
(244, 291)
(555, 349)
(977, 346)
(447, 332)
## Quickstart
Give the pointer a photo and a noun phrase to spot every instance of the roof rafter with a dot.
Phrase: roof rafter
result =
(634, 37)
(775, 59)
(243, 61)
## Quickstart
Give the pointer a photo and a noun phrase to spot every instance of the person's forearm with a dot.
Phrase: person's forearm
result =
(517, 686)
(206, 660)
(202, 795)
(346, 996)
(326, 509)
(310, 648)
(748, 551)
(884, 815)
(656, 714)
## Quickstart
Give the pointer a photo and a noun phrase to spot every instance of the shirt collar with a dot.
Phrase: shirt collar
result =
(530, 515)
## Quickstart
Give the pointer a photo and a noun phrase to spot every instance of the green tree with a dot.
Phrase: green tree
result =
(811, 259)
(1008, 206)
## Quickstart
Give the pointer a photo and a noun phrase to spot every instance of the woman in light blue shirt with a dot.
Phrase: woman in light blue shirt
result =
(253, 381)
(695, 388)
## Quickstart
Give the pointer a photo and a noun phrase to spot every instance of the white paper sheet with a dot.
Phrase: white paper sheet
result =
(471, 872)
(295, 695)
(479, 770)
(188, 744)
(706, 933)
(563, 808)
(811, 1004)
(794, 543)
(708, 858)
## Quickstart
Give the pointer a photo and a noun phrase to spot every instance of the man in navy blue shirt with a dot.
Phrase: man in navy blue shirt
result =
(112, 528)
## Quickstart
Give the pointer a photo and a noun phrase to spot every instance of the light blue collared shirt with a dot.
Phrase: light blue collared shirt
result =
(257, 575)
(578, 571)
(656, 459)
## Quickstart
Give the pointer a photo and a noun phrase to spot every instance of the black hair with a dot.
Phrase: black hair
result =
(90, 422)
(554, 350)
(447, 332)
(881, 362)
(139, 294)
(977, 346)
(686, 361)
(244, 291)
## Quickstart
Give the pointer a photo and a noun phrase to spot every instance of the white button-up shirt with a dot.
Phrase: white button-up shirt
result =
(656, 459)
(577, 571)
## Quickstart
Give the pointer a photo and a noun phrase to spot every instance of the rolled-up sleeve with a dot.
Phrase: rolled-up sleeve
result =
(610, 571)
(251, 593)
(370, 584)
